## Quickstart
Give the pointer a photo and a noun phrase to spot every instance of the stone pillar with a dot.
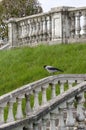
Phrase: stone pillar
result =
(84, 24)
(13, 32)
(36, 100)
(44, 98)
(72, 25)
(28, 107)
(78, 26)
(41, 29)
(70, 83)
(50, 29)
(44, 28)
(19, 114)
(53, 117)
(10, 112)
(70, 121)
(62, 86)
(2, 106)
(80, 118)
(53, 88)
(61, 125)
(57, 27)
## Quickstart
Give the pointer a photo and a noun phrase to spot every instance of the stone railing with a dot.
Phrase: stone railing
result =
(59, 25)
(63, 111)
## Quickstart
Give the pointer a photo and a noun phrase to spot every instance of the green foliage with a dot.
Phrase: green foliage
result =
(24, 65)
(16, 8)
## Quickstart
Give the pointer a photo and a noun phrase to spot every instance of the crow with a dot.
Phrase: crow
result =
(52, 69)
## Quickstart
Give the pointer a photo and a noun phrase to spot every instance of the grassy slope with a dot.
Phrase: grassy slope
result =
(23, 65)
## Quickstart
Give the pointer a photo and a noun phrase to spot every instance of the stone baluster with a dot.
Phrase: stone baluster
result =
(19, 114)
(28, 107)
(44, 29)
(26, 28)
(30, 30)
(36, 125)
(10, 112)
(37, 30)
(13, 32)
(2, 106)
(43, 124)
(22, 29)
(44, 98)
(50, 29)
(70, 83)
(61, 125)
(53, 89)
(53, 116)
(70, 121)
(62, 86)
(78, 26)
(72, 25)
(41, 29)
(36, 99)
(84, 24)
(80, 118)
(31, 27)
(34, 31)
(44, 121)
(18, 128)
(29, 126)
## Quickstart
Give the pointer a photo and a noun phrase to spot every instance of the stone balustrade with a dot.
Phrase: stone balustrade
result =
(63, 111)
(59, 25)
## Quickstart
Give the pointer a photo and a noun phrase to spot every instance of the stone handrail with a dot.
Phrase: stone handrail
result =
(59, 25)
(45, 111)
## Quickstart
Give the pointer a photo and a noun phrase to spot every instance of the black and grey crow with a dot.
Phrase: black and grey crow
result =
(52, 69)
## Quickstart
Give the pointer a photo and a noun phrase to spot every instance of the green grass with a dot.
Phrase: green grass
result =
(24, 65)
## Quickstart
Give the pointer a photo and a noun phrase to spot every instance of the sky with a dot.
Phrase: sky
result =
(48, 4)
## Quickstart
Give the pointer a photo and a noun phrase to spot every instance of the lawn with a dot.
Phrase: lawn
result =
(20, 66)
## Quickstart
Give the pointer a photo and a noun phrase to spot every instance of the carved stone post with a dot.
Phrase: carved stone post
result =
(72, 25)
(19, 114)
(18, 128)
(2, 106)
(10, 112)
(44, 98)
(70, 83)
(44, 28)
(53, 116)
(41, 29)
(50, 29)
(36, 125)
(84, 24)
(36, 100)
(13, 32)
(53, 88)
(70, 121)
(28, 107)
(44, 121)
(78, 26)
(62, 86)
(61, 125)
(37, 30)
(80, 118)
(29, 126)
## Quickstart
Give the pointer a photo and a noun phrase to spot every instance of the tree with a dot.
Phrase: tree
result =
(17, 8)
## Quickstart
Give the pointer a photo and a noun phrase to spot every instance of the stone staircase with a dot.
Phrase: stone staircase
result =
(61, 111)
